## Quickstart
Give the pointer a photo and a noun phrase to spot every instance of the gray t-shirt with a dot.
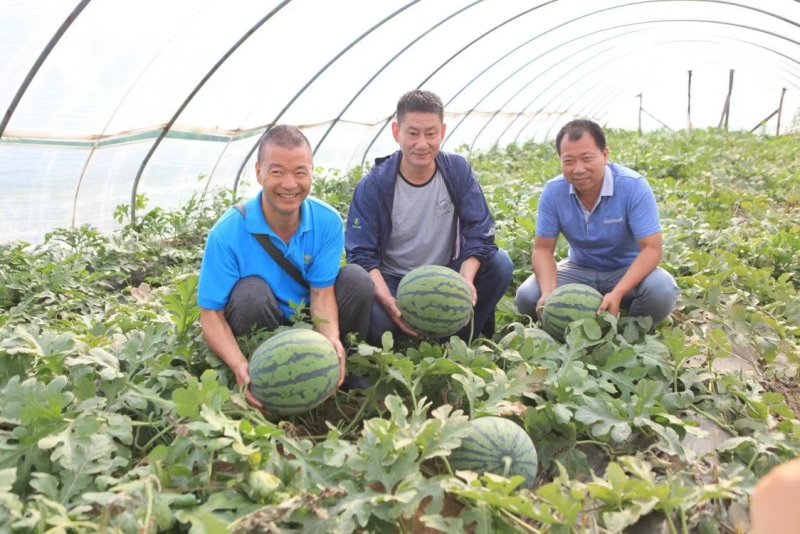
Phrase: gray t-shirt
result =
(423, 226)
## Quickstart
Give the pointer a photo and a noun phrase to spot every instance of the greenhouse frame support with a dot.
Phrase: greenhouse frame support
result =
(726, 109)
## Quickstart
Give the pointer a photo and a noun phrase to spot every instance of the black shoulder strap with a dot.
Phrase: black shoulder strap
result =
(273, 251)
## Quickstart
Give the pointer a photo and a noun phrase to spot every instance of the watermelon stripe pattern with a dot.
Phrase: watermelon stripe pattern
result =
(539, 336)
(435, 300)
(568, 303)
(294, 371)
(499, 446)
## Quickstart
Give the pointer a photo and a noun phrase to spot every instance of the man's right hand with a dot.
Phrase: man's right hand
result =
(242, 374)
(390, 305)
(540, 306)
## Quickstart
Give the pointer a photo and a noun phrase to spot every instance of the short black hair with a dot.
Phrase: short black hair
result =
(419, 101)
(282, 135)
(575, 130)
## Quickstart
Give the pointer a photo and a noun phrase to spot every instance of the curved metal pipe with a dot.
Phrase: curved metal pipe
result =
(189, 98)
(308, 83)
(385, 65)
(448, 60)
(794, 84)
(541, 73)
(527, 64)
(590, 109)
(647, 22)
(39, 62)
(524, 110)
(96, 144)
(725, 2)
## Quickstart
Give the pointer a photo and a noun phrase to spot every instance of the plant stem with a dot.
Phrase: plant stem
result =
(519, 522)
(715, 420)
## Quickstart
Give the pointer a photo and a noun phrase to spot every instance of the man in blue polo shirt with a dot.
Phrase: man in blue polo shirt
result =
(608, 215)
(243, 288)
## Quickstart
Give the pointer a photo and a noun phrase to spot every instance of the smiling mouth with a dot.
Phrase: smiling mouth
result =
(288, 195)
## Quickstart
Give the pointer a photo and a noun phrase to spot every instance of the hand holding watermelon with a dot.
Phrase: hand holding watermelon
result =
(294, 371)
(611, 303)
(242, 374)
(568, 303)
(390, 305)
(340, 352)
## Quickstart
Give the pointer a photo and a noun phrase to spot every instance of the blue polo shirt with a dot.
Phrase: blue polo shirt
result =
(608, 238)
(232, 253)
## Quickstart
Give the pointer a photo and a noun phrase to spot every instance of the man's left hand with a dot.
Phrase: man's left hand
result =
(611, 303)
(337, 344)
(473, 290)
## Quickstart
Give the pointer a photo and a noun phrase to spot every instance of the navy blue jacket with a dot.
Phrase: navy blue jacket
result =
(369, 220)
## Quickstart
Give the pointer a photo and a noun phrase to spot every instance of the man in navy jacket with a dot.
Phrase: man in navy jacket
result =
(421, 206)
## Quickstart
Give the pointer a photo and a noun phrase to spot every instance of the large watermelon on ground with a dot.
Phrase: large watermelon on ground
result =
(294, 371)
(499, 446)
(517, 337)
(567, 303)
(435, 300)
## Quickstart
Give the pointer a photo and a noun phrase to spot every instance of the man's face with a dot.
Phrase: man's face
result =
(285, 176)
(420, 136)
(583, 164)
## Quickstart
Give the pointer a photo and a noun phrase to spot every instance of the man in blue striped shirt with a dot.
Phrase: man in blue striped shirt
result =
(608, 215)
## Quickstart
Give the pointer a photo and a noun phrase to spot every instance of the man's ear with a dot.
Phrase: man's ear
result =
(396, 131)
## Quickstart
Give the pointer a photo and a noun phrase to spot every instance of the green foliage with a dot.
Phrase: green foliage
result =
(115, 416)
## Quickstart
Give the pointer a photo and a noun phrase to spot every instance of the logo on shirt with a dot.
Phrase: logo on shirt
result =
(443, 207)
(307, 259)
(357, 224)
(613, 221)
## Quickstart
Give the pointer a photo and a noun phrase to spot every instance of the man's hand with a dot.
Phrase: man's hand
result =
(242, 374)
(611, 303)
(390, 305)
(473, 290)
(468, 271)
(540, 305)
(340, 352)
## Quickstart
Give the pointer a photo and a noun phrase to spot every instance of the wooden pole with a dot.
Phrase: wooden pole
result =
(689, 105)
(780, 109)
(640, 113)
(762, 121)
(726, 109)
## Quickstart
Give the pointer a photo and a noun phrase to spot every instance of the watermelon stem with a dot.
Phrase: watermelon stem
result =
(359, 414)
(471, 327)
(507, 460)
(519, 522)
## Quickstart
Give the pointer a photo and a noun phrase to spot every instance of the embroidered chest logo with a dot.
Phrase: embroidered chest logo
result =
(307, 259)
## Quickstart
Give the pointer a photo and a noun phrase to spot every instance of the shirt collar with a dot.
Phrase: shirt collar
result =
(607, 189)
(256, 223)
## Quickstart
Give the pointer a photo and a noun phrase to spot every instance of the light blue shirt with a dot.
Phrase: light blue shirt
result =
(232, 253)
(608, 239)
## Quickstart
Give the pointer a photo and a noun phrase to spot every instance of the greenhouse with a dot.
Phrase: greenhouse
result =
(131, 129)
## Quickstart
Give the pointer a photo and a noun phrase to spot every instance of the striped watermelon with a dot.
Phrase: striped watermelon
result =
(499, 446)
(519, 336)
(435, 300)
(294, 371)
(567, 303)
